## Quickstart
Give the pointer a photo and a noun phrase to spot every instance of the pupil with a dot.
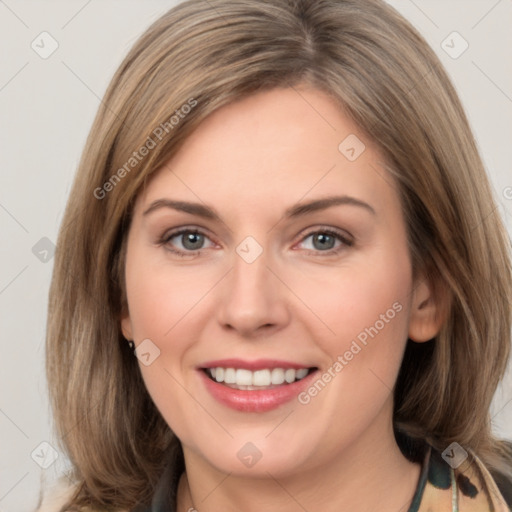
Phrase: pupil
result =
(193, 239)
(322, 239)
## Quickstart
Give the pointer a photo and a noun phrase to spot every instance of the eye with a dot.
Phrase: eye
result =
(190, 241)
(185, 242)
(328, 241)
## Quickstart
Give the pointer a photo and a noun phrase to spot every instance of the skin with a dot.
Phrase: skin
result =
(250, 161)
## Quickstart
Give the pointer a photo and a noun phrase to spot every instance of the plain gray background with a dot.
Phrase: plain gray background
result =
(47, 106)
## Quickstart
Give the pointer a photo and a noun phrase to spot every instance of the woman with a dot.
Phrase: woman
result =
(281, 280)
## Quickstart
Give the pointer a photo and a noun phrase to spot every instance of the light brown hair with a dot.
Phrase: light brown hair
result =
(385, 77)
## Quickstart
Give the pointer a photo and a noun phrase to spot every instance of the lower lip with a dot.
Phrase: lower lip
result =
(255, 400)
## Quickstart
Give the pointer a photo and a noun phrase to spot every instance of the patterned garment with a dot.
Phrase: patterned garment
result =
(468, 488)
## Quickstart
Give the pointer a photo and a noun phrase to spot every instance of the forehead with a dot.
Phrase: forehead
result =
(275, 147)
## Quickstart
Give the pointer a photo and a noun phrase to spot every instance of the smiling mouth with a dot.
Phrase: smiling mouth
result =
(247, 380)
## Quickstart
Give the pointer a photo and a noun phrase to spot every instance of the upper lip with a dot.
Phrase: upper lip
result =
(257, 364)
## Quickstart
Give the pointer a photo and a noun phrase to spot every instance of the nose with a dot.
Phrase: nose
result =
(253, 301)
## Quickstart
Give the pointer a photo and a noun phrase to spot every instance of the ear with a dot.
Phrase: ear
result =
(429, 309)
(126, 326)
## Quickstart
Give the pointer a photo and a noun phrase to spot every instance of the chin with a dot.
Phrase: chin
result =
(254, 459)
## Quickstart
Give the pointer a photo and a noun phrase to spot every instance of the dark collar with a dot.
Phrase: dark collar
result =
(435, 472)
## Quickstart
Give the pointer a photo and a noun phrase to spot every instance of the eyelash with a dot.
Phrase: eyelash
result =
(345, 241)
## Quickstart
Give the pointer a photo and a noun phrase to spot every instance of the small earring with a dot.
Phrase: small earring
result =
(131, 344)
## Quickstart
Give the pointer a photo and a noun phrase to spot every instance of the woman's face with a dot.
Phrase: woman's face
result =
(272, 248)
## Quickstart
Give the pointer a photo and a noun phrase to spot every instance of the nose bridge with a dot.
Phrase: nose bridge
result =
(251, 295)
(250, 276)
(250, 271)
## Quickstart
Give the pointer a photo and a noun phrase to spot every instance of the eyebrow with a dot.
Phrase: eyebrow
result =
(297, 210)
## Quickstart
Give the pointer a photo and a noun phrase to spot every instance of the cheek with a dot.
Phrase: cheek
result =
(361, 302)
(366, 308)
(166, 304)
(162, 307)
(161, 298)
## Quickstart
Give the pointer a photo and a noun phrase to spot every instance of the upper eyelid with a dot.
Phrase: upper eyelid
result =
(342, 235)
(171, 233)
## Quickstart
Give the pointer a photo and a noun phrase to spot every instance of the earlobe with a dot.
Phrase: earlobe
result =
(126, 327)
(428, 311)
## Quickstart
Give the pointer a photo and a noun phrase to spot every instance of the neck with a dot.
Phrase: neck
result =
(370, 474)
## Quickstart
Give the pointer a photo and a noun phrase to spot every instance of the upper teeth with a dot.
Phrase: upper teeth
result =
(266, 377)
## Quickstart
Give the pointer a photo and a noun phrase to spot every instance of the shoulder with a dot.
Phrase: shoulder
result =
(55, 497)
